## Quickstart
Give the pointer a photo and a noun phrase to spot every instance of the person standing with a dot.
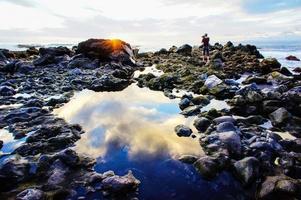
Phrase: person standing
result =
(205, 42)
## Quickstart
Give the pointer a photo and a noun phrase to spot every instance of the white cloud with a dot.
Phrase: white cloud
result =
(151, 23)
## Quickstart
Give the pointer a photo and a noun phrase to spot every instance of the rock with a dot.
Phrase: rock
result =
(207, 166)
(68, 157)
(108, 83)
(1, 144)
(183, 131)
(163, 51)
(255, 79)
(184, 50)
(55, 51)
(184, 103)
(285, 71)
(201, 124)
(268, 64)
(292, 58)
(120, 184)
(7, 91)
(225, 127)
(212, 81)
(231, 141)
(106, 50)
(279, 187)
(44, 60)
(191, 110)
(222, 119)
(200, 100)
(280, 116)
(189, 159)
(253, 96)
(30, 194)
(247, 170)
(83, 63)
(297, 70)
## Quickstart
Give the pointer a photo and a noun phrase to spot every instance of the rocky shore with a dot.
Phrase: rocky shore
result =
(258, 91)
(33, 83)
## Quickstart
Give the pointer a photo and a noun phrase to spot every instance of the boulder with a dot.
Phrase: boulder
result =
(184, 50)
(201, 124)
(279, 187)
(292, 58)
(280, 116)
(207, 166)
(184, 103)
(107, 50)
(231, 141)
(183, 131)
(225, 127)
(222, 119)
(212, 81)
(200, 100)
(55, 51)
(108, 83)
(268, 64)
(191, 110)
(297, 70)
(247, 169)
(120, 184)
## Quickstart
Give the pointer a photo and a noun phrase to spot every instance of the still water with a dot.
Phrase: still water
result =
(134, 130)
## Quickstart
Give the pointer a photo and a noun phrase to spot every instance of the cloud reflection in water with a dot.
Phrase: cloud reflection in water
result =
(136, 118)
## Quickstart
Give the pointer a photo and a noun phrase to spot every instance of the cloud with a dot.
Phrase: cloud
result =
(25, 3)
(150, 24)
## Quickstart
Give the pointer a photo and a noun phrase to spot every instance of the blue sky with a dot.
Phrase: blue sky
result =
(264, 6)
(148, 23)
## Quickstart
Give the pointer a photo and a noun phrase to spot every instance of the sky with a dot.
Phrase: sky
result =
(148, 23)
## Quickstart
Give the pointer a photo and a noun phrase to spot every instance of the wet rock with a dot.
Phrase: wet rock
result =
(280, 116)
(222, 119)
(207, 166)
(183, 131)
(7, 91)
(184, 50)
(191, 110)
(292, 58)
(201, 124)
(108, 83)
(184, 103)
(225, 127)
(231, 141)
(31, 194)
(279, 187)
(247, 169)
(253, 119)
(13, 171)
(67, 156)
(57, 174)
(120, 184)
(189, 159)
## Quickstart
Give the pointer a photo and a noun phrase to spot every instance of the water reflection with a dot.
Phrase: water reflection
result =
(137, 118)
(134, 130)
